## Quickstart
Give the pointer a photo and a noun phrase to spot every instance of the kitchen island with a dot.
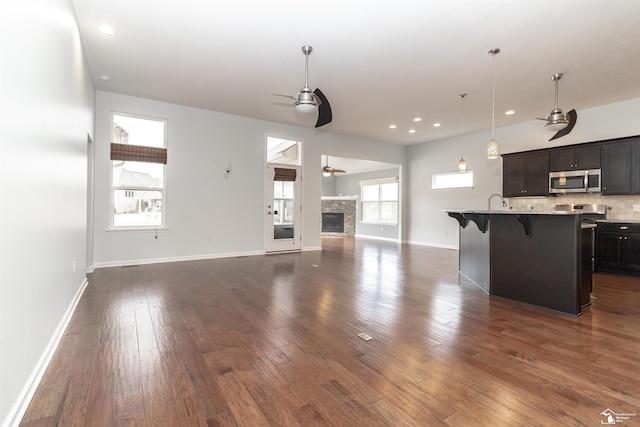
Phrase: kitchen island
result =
(539, 258)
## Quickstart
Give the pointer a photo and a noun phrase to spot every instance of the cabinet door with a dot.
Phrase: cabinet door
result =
(562, 159)
(616, 168)
(588, 157)
(635, 166)
(536, 174)
(512, 175)
(607, 250)
(631, 254)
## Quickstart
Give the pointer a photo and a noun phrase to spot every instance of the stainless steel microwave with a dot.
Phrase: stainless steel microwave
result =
(582, 181)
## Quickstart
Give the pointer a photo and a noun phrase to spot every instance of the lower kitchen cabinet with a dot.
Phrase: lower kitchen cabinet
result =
(618, 247)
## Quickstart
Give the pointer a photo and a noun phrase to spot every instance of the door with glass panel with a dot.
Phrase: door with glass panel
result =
(282, 208)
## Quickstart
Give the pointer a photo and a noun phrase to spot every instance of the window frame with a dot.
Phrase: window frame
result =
(380, 200)
(451, 181)
(112, 188)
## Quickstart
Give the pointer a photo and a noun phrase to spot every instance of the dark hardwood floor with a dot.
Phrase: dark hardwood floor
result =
(273, 340)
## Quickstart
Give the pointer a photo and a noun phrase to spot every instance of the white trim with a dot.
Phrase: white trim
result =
(123, 263)
(387, 239)
(389, 180)
(312, 248)
(19, 408)
(433, 245)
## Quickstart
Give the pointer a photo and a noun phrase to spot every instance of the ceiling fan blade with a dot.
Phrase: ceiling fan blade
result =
(285, 96)
(340, 170)
(324, 109)
(573, 117)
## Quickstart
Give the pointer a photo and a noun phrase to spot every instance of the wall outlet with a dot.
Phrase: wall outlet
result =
(636, 208)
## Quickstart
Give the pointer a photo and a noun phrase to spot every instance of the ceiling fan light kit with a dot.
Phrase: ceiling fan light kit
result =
(309, 102)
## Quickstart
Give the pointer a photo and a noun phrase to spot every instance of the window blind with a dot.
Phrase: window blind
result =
(283, 174)
(138, 153)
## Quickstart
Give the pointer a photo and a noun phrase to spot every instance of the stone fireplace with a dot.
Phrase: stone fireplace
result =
(339, 215)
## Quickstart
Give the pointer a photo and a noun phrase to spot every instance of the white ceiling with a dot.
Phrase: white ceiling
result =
(378, 62)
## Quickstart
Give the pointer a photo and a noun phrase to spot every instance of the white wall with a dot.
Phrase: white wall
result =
(200, 202)
(47, 113)
(427, 223)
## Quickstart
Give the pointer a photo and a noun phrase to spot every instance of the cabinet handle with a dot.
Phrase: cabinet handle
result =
(624, 227)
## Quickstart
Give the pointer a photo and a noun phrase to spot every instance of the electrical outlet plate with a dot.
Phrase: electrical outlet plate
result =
(364, 336)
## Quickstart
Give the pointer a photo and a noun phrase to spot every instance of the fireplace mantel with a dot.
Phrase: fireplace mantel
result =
(338, 197)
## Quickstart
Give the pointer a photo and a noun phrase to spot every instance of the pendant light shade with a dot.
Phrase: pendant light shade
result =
(492, 146)
(462, 163)
(492, 149)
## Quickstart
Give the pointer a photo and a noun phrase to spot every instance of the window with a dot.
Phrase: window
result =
(283, 151)
(443, 181)
(138, 159)
(380, 200)
(283, 202)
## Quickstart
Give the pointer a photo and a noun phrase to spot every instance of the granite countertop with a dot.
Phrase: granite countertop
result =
(510, 212)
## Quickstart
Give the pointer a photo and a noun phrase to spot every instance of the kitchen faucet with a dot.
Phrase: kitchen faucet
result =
(504, 203)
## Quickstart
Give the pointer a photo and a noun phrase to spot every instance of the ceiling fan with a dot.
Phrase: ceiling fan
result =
(328, 171)
(558, 121)
(310, 102)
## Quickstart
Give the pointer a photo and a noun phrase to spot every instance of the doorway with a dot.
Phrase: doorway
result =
(283, 208)
(282, 196)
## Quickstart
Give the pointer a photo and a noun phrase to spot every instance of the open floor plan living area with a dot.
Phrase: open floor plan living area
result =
(337, 213)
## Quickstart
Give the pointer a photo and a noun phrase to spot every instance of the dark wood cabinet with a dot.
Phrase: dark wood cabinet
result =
(574, 158)
(618, 247)
(616, 168)
(525, 174)
(635, 166)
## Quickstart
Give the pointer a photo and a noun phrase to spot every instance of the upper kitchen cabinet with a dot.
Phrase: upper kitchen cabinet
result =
(617, 166)
(525, 174)
(574, 158)
(635, 166)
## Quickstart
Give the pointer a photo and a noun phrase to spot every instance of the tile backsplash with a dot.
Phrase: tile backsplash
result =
(620, 207)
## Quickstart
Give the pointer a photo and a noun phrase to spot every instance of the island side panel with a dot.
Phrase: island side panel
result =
(543, 269)
(474, 255)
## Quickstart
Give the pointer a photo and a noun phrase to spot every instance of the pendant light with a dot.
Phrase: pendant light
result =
(462, 164)
(492, 146)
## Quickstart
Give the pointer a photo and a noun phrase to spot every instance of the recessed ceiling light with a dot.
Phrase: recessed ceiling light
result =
(417, 119)
(106, 29)
(412, 131)
(436, 125)
(392, 126)
(510, 112)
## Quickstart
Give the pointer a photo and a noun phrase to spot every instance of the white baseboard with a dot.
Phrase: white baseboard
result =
(24, 398)
(123, 263)
(386, 239)
(434, 245)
